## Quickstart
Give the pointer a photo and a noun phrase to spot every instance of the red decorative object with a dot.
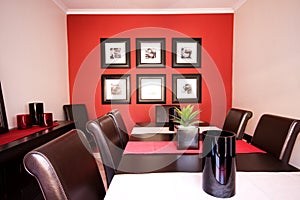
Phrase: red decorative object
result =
(46, 119)
(24, 121)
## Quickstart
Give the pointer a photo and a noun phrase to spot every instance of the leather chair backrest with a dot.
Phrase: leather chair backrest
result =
(162, 116)
(66, 169)
(78, 114)
(122, 130)
(93, 128)
(108, 142)
(236, 121)
(276, 135)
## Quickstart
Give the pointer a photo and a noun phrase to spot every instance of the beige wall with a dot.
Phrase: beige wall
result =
(33, 56)
(266, 59)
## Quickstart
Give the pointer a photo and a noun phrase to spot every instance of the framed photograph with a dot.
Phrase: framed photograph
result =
(186, 52)
(115, 52)
(115, 89)
(3, 120)
(186, 88)
(150, 52)
(151, 88)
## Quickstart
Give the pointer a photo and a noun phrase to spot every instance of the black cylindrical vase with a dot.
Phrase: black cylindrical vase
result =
(219, 168)
(36, 110)
(171, 118)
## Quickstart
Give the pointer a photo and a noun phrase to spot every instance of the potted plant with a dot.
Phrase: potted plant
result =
(187, 132)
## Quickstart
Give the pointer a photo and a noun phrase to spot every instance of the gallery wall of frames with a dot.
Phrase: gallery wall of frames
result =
(134, 62)
(150, 53)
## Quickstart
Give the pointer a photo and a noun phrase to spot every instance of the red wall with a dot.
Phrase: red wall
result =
(216, 31)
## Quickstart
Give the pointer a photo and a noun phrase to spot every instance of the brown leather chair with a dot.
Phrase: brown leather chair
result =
(276, 135)
(236, 121)
(65, 169)
(106, 136)
(78, 114)
(162, 114)
(122, 130)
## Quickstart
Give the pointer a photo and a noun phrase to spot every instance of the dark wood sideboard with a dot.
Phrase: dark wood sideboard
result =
(15, 182)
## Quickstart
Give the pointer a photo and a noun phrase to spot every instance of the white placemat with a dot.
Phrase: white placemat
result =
(164, 186)
(154, 130)
(150, 130)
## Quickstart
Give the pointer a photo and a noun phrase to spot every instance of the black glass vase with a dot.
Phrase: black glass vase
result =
(172, 114)
(36, 110)
(219, 167)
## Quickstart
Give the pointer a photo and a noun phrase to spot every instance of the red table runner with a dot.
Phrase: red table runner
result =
(16, 134)
(169, 147)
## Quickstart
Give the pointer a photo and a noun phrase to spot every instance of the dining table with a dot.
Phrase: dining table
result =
(153, 168)
(181, 186)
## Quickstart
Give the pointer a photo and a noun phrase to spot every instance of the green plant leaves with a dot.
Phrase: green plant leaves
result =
(187, 117)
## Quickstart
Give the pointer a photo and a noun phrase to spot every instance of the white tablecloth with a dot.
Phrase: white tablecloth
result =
(154, 130)
(151, 130)
(188, 186)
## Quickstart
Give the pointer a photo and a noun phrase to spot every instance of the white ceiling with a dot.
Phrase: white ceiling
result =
(148, 6)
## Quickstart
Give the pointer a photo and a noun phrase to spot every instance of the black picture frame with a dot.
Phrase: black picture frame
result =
(151, 88)
(115, 52)
(115, 89)
(150, 52)
(186, 88)
(3, 119)
(186, 52)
